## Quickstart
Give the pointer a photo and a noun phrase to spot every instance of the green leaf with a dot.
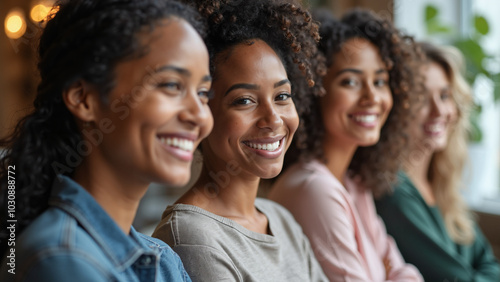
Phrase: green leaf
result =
(481, 25)
(496, 87)
(435, 27)
(475, 133)
(430, 12)
(473, 53)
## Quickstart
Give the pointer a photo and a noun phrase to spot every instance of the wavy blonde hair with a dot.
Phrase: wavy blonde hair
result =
(445, 170)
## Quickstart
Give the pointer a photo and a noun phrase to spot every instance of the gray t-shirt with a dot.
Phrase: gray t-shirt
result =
(215, 248)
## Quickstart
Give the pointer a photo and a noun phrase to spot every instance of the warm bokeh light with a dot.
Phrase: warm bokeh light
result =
(15, 25)
(39, 12)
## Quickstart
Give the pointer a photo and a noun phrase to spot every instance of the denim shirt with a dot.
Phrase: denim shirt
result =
(76, 240)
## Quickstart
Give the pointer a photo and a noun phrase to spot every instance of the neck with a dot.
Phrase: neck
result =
(225, 194)
(116, 194)
(418, 163)
(339, 157)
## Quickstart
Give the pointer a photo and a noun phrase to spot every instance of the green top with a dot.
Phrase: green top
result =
(421, 236)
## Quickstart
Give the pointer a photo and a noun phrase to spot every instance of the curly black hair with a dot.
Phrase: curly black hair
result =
(376, 165)
(285, 26)
(83, 40)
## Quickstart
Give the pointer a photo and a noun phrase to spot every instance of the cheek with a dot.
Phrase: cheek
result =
(208, 124)
(388, 101)
(229, 126)
(291, 118)
(453, 113)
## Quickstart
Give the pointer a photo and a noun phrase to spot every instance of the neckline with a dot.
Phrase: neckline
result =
(231, 223)
(416, 191)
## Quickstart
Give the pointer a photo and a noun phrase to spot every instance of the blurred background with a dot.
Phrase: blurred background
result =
(471, 25)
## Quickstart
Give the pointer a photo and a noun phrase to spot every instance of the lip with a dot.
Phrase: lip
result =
(265, 153)
(366, 124)
(177, 152)
(435, 128)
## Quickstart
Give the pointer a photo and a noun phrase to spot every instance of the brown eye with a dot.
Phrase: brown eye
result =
(380, 82)
(170, 87)
(205, 95)
(241, 101)
(349, 82)
(283, 97)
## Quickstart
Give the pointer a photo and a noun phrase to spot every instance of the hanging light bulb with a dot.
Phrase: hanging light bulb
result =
(39, 12)
(40, 9)
(15, 23)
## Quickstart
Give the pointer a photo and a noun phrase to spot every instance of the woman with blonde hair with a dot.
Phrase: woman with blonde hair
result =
(426, 214)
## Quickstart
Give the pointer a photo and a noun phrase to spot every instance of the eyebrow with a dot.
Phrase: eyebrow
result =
(242, 86)
(254, 86)
(283, 82)
(206, 78)
(357, 71)
(181, 71)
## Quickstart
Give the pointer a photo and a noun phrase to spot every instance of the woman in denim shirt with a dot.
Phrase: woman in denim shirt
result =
(122, 102)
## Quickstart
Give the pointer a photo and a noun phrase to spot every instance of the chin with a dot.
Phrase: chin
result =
(270, 172)
(177, 179)
(369, 142)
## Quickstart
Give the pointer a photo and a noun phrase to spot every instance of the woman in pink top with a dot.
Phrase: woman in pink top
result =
(356, 133)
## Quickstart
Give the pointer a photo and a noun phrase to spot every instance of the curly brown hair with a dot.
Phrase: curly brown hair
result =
(376, 165)
(285, 26)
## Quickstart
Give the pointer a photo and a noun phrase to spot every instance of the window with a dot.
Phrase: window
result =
(482, 177)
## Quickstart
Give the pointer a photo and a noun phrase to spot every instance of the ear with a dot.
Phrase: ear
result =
(82, 101)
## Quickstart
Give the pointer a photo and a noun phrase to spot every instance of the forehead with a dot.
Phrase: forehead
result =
(173, 42)
(249, 59)
(172, 38)
(435, 74)
(358, 52)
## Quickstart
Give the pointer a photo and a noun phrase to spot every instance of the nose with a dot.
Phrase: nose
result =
(370, 95)
(194, 110)
(437, 107)
(269, 117)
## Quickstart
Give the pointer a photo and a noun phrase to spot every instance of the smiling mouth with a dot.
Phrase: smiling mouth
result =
(270, 146)
(435, 128)
(364, 118)
(183, 144)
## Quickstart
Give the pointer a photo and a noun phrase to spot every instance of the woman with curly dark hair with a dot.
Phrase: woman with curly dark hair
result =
(263, 59)
(122, 102)
(356, 133)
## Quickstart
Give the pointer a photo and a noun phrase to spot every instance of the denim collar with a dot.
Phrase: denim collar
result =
(123, 250)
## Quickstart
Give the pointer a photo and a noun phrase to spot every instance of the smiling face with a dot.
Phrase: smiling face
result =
(158, 108)
(254, 115)
(358, 98)
(437, 115)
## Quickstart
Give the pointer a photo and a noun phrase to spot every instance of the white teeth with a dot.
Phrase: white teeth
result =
(184, 144)
(434, 128)
(366, 118)
(267, 146)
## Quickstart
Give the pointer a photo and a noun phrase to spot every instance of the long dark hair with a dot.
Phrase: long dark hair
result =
(83, 40)
(378, 164)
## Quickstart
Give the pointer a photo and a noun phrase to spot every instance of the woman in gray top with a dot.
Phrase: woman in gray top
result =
(263, 66)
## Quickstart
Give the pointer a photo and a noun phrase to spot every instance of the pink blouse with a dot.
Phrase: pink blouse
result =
(347, 236)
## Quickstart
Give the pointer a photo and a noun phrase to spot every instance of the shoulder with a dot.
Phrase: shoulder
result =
(273, 210)
(403, 192)
(191, 225)
(63, 265)
(55, 247)
(53, 229)
(305, 182)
